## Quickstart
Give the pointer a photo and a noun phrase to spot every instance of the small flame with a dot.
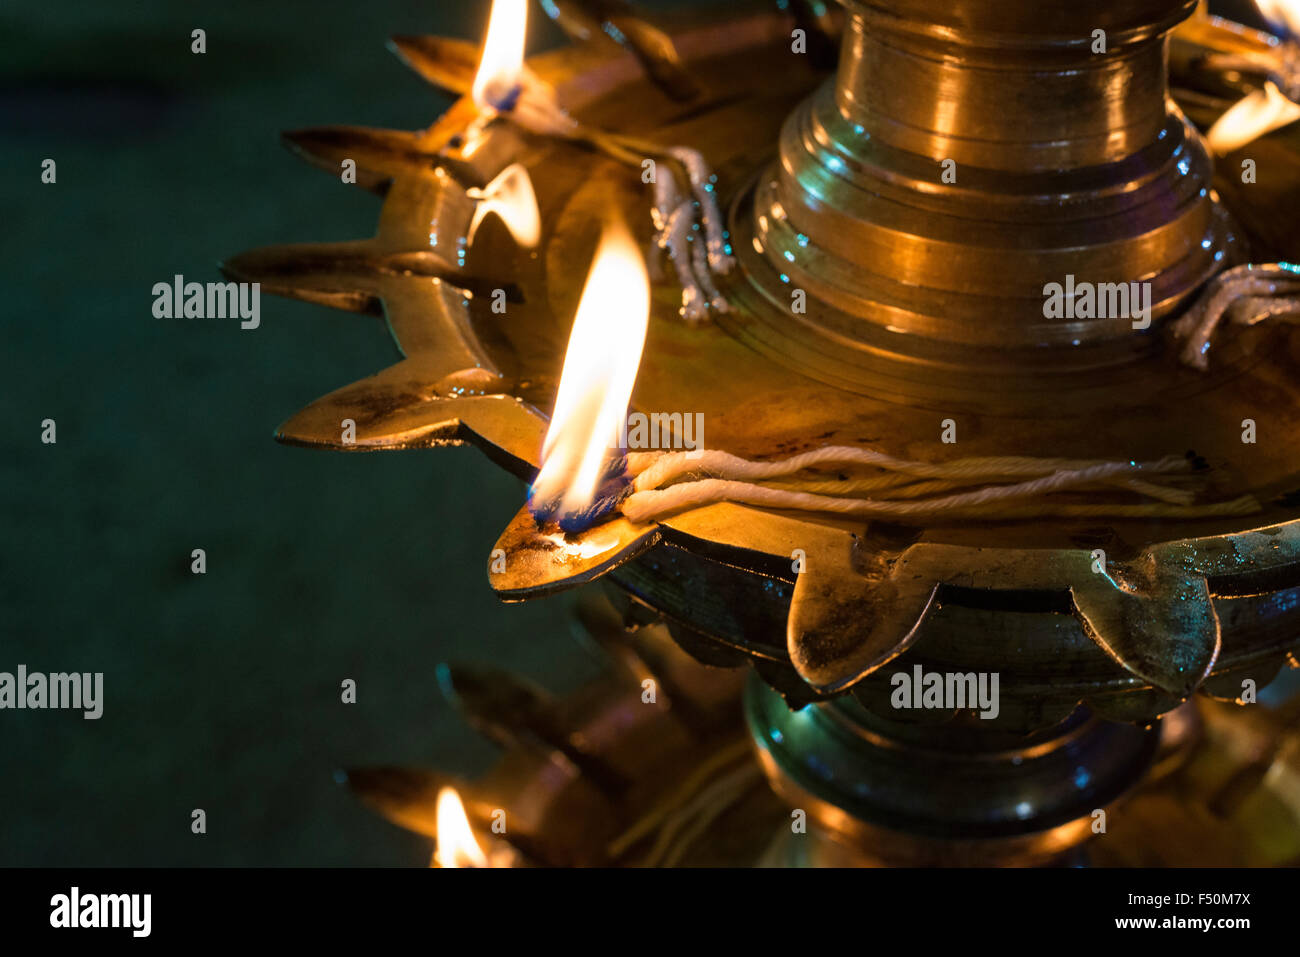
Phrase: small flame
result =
(512, 198)
(503, 54)
(1260, 113)
(1281, 14)
(457, 846)
(600, 370)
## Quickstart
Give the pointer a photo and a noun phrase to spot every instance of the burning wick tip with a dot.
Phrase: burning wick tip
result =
(604, 507)
(504, 100)
(614, 488)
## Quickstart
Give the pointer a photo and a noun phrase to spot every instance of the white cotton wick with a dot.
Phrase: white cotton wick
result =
(1246, 295)
(646, 507)
(652, 471)
(544, 119)
(649, 505)
(667, 200)
(676, 241)
(638, 462)
(674, 220)
(701, 178)
(700, 260)
(1177, 496)
(1252, 310)
(531, 103)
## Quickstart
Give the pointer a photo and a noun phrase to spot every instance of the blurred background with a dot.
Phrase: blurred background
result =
(221, 691)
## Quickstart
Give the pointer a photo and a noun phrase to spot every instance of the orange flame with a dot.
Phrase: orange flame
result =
(457, 846)
(512, 198)
(503, 54)
(1284, 13)
(600, 370)
(1262, 112)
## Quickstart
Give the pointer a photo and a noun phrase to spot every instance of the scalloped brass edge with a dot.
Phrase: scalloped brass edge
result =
(1119, 608)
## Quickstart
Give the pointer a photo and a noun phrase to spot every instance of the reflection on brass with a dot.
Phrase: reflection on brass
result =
(924, 303)
(966, 155)
(1219, 789)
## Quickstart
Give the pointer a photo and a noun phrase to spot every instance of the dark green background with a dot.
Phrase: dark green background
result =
(221, 691)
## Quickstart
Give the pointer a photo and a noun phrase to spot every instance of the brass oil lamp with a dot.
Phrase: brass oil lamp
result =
(896, 211)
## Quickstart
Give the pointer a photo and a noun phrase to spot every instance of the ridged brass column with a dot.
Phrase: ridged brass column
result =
(1066, 162)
